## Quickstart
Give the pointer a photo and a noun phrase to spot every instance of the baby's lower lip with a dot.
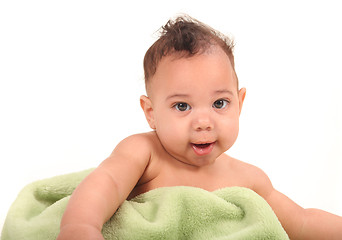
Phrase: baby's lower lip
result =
(202, 149)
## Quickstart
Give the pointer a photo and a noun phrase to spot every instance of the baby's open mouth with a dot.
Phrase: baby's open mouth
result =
(202, 148)
(203, 145)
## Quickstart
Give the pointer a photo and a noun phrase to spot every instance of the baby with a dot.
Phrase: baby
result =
(193, 105)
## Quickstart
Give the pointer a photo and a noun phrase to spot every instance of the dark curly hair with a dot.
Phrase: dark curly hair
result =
(187, 36)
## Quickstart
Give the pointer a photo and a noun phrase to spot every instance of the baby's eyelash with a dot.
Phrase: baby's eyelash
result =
(221, 103)
(181, 106)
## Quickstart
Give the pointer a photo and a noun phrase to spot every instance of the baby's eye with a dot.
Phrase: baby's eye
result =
(221, 103)
(182, 106)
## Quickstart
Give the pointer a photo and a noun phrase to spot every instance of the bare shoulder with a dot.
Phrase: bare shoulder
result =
(133, 152)
(139, 139)
(138, 145)
(136, 158)
(254, 177)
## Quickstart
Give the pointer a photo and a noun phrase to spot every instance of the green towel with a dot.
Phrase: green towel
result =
(163, 213)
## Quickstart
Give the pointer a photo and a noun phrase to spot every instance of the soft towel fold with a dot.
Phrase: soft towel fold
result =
(163, 213)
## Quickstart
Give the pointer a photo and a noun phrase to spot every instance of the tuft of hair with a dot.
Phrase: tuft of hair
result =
(187, 37)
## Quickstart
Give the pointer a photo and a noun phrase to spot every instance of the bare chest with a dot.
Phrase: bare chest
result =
(211, 178)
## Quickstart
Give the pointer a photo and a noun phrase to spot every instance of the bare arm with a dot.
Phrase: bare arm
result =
(300, 223)
(319, 224)
(100, 194)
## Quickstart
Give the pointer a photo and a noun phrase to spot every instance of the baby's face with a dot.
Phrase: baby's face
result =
(196, 106)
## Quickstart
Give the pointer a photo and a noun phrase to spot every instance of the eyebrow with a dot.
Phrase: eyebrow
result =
(177, 95)
(186, 95)
(224, 91)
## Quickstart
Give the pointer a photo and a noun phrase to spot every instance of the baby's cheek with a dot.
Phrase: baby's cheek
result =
(229, 130)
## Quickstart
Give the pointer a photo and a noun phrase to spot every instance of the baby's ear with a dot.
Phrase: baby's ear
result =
(146, 105)
(242, 95)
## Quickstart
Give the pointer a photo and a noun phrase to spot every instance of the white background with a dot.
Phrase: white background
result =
(71, 77)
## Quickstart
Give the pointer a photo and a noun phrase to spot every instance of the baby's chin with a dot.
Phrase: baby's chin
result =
(203, 160)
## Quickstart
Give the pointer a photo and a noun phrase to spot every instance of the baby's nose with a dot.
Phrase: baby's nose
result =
(203, 122)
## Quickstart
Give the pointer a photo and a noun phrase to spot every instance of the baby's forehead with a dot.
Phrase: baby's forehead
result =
(174, 66)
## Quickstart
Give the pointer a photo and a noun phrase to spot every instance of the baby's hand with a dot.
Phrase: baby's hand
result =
(76, 232)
